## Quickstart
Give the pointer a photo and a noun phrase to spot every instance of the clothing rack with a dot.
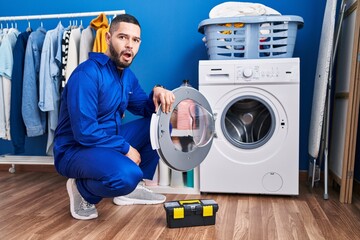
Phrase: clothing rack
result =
(62, 15)
(43, 160)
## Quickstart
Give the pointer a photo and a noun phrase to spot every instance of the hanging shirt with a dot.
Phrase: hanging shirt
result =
(34, 119)
(50, 79)
(92, 103)
(6, 66)
(73, 53)
(18, 130)
(3, 33)
(64, 55)
(86, 43)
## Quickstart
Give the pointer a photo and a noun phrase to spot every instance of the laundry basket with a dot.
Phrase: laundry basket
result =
(250, 36)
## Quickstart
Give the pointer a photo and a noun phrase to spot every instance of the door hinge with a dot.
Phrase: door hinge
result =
(350, 174)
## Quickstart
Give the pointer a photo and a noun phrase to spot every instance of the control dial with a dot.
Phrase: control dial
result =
(248, 72)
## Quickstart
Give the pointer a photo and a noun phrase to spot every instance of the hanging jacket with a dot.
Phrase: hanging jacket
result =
(50, 80)
(34, 119)
(18, 130)
(101, 25)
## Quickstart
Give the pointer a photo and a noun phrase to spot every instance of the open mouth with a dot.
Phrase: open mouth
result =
(127, 56)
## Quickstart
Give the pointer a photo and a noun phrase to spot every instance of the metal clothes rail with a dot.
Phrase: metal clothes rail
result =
(62, 15)
(43, 160)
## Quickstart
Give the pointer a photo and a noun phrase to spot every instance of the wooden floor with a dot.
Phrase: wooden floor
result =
(35, 205)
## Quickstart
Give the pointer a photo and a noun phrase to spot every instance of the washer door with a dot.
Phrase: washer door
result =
(248, 122)
(184, 136)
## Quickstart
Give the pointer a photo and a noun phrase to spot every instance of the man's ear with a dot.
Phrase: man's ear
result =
(107, 37)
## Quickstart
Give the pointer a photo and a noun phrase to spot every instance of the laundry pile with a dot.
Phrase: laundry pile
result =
(237, 9)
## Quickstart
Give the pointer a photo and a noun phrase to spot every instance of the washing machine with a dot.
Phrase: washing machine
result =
(255, 148)
(241, 127)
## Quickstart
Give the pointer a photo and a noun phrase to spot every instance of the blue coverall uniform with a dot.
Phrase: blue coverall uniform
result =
(91, 141)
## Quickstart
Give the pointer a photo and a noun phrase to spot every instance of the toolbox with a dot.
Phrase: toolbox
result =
(189, 213)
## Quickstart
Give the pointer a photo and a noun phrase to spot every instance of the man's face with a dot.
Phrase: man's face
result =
(123, 44)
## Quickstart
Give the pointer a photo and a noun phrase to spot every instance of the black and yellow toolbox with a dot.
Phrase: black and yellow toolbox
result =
(189, 213)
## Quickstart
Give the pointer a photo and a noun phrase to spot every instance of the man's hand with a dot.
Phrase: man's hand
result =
(134, 155)
(164, 97)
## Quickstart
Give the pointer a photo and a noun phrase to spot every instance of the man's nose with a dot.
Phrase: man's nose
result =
(129, 44)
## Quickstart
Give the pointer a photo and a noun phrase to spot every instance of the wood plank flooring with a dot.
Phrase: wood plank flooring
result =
(35, 205)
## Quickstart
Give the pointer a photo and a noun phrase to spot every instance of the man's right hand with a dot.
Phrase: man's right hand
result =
(134, 155)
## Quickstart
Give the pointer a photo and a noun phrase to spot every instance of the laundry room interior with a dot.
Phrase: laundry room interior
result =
(269, 131)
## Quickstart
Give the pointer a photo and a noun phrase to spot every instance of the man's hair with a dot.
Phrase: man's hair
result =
(122, 18)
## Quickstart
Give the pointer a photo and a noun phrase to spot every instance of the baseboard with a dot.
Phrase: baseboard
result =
(303, 175)
(356, 186)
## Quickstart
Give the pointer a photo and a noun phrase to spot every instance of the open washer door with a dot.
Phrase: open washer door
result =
(184, 136)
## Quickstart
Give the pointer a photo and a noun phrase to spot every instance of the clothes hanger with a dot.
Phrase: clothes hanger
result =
(59, 20)
(81, 25)
(28, 29)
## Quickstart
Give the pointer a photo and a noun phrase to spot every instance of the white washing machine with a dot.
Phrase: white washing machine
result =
(255, 103)
(241, 127)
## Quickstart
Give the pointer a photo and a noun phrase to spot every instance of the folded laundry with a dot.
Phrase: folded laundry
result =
(237, 9)
(240, 9)
(236, 25)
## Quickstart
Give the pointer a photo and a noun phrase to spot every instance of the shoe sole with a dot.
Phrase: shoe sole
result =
(122, 201)
(69, 187)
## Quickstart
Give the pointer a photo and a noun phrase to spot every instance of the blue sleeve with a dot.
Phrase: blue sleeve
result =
(82, 99)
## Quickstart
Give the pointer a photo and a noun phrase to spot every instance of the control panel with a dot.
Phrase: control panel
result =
(264, 73)
(249, 71)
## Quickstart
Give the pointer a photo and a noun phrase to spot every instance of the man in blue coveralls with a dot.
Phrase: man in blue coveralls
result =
(102, 157)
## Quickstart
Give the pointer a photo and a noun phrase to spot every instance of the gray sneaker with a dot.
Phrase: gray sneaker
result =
(141, 195)
(79, 207)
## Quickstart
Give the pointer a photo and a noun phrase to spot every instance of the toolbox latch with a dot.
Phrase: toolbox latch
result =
(208, 211)
(178, 213)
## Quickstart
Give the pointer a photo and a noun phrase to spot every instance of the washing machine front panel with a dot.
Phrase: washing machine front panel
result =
(238, 162)
(184, 136)
(269, 166)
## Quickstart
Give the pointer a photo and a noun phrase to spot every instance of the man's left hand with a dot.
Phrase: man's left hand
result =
(164, 97)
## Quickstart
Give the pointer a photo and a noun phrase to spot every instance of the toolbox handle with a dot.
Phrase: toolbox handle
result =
(189, 201)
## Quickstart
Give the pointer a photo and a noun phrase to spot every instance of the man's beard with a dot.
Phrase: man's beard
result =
(115, 56)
